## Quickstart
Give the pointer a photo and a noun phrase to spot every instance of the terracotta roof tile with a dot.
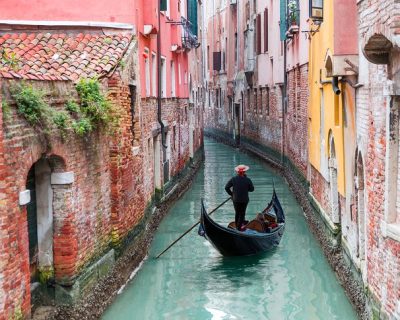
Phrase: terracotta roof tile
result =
(60, 56)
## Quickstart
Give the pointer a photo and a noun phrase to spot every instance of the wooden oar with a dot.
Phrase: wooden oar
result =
(191, 228)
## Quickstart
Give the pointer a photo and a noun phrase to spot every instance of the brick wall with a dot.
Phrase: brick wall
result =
(128, 199)
(14, 272)
(296, 118)
(81, 210)
(175, 116)
(378, 19)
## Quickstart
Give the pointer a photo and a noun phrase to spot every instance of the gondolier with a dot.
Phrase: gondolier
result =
(238, 187)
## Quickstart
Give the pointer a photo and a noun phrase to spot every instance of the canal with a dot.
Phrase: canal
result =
(193, 281)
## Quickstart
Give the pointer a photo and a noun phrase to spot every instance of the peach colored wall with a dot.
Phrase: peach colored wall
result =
(68, 10)
(346, 30)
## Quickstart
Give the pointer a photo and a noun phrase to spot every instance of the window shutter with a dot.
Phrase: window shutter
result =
(258, 34)
(265, 30)
(217, 61)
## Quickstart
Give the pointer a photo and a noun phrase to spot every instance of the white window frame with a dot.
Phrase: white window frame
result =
(147, 72)
(163, 77)
(154, 74)
(173, 80)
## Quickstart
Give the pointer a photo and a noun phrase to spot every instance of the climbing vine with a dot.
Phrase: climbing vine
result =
(92, 112)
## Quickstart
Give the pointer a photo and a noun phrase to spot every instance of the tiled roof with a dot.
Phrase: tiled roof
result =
(60, 56)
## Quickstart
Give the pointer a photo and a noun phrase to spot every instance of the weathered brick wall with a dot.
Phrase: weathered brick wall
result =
(378, 18)
(263, 122)
(81, 211)
(296, 118)
(14, 272)
(175, 116)
(126, 155)
(320, 189)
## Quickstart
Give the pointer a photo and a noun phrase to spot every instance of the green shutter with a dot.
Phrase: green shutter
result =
(283, 19)
(163, 5)
(192, 15)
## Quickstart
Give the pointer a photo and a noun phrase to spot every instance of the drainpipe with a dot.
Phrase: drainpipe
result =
(159, 78)
(335, 85)
(284, 98)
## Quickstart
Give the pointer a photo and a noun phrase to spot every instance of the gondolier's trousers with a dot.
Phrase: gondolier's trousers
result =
(240, 213)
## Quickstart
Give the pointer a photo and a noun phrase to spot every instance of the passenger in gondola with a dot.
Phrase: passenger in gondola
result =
(238, 187)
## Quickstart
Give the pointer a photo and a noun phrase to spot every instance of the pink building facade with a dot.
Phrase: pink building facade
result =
(156, 147)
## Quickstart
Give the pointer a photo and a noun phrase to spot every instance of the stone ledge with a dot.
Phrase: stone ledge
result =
(24, 197)
(333, 227)
(391, 230)
(62, 177)
(91, 276)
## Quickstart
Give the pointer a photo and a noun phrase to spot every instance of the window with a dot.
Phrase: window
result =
(265, 30)
(153, 74)
(147, 72)
(248, 100)
(236, 49)
(174, 137)
(173, 84)
(168, 12)
(208, 57)
(163, 78)
(179, 74)
(225, 54)
(317, 10)
(258, 34)
(255, 34)
(217, 61)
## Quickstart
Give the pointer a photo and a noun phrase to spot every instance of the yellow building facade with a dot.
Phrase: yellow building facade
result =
(331, 109)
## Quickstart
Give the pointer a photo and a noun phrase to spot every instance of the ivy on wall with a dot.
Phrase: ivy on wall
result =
(91, 112)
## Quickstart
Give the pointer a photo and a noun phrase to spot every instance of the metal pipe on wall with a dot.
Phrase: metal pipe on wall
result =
(159, 78)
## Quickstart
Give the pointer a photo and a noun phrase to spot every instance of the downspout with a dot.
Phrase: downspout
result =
(159, 78)
(284, 95)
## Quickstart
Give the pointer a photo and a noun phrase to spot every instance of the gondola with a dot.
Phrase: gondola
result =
(256, 238)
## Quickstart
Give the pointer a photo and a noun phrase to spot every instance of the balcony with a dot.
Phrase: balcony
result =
(189, 39)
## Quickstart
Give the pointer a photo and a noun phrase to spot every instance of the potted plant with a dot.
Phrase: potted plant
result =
(293, 9)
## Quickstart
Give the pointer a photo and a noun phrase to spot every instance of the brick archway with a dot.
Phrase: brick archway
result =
(51, 239)
(377, 48)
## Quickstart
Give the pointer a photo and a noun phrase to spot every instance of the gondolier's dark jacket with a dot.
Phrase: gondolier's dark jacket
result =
(242, 185)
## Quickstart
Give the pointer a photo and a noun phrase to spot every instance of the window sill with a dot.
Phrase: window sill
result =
(391, 230)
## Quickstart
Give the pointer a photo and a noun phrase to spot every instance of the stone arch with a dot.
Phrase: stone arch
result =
(359, 185)
(333, 180)
(46, 181)
(377, 48)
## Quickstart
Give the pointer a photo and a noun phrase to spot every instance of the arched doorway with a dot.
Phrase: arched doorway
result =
(40, 221)
(43, 189)
(360, 203)
(333, 181)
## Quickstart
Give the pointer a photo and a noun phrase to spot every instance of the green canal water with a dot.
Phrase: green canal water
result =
(193, 281)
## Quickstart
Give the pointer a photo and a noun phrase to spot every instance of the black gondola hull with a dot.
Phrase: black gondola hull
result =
(230, 242)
